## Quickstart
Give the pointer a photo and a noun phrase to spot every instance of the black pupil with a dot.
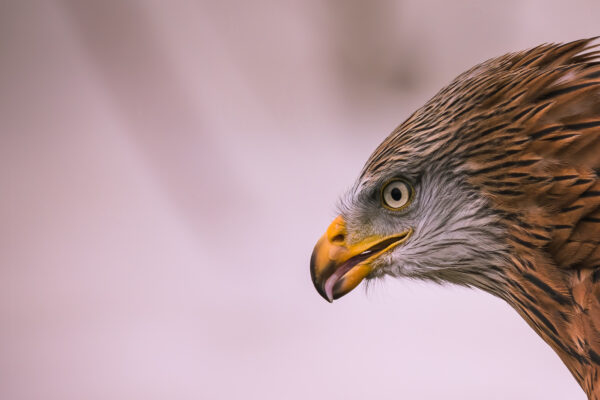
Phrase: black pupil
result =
(396, 194)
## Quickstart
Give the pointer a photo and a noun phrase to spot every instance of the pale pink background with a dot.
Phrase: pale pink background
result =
(166, 167)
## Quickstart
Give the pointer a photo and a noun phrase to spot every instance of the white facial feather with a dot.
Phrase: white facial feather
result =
(456, 238)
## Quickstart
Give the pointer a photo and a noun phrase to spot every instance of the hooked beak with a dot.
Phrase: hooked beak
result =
(337, 267)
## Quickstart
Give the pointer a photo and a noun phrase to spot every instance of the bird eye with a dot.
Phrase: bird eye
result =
(396, 194)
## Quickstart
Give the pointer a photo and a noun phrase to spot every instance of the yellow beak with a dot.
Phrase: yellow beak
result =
(337, 267)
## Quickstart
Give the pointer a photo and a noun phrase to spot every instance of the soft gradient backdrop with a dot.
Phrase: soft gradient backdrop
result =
(166, 168)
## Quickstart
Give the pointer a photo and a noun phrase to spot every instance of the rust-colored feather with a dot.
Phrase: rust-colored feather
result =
(528, 127)
(558, 201)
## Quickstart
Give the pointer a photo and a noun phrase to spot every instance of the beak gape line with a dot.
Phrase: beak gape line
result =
(337, 267)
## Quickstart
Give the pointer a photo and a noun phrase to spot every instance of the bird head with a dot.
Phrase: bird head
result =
(500, 165)
(412, 218)
(494, 183)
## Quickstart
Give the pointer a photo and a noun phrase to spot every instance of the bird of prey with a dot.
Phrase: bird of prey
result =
(494, 184)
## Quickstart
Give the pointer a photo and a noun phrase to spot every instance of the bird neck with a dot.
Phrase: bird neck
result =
(562, 306)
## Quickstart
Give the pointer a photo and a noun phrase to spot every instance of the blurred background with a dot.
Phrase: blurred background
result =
(166, 168)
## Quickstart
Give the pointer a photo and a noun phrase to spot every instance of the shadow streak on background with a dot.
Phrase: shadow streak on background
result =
(167, 167)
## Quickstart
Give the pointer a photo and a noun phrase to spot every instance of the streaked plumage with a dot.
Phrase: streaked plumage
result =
(505, 166)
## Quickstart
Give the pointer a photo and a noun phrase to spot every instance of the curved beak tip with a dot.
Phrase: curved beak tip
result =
(315, 274)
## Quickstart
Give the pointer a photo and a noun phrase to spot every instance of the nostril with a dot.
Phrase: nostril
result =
(338, 238)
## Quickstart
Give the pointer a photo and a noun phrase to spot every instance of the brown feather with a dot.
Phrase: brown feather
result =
(528, 126)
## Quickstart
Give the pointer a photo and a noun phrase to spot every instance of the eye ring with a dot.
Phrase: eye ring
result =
(396, 194)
